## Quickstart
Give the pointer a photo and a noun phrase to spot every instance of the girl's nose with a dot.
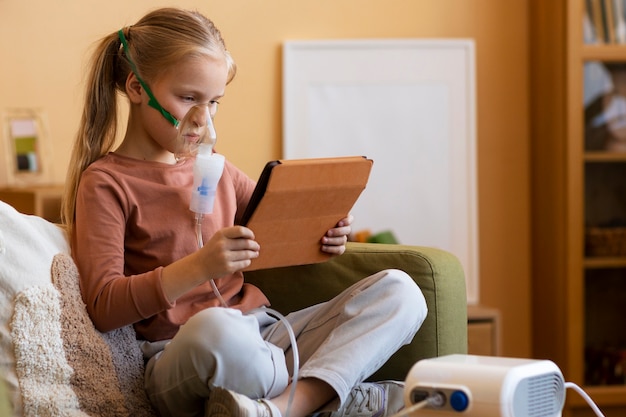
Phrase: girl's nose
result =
(198, 115)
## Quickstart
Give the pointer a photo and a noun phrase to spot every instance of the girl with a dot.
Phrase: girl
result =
(133, 239)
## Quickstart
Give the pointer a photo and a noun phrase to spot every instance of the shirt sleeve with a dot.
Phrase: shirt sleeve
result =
(113, 300)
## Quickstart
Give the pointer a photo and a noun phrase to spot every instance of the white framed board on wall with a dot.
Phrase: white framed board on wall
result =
(408, 104)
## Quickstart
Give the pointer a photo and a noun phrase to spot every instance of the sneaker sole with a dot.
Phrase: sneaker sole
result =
(222, 404)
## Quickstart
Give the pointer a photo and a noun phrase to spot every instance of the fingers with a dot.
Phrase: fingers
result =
(334, 249)
(335, 241)
(334, 245)
(338, 232)
(240, 244)
(230, 250)
(237, 232)
(346, 221)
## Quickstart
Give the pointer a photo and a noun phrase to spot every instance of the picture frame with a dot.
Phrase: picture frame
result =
(408, 104)
(26, 147)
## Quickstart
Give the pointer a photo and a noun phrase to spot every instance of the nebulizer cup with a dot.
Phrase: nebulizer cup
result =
(197, 137)
(207, 172)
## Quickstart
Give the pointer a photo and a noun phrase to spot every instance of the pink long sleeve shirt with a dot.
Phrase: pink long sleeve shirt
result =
(132, 219)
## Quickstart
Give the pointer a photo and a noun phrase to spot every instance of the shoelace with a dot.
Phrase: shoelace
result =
(263, 409)
(368, 397)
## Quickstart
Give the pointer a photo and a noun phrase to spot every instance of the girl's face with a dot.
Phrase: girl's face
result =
(197, 80)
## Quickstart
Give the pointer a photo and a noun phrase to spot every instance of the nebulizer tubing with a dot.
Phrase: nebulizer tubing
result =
(208, 168)
(294, 351)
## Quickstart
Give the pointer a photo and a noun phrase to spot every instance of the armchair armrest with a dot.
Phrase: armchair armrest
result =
(438, 273)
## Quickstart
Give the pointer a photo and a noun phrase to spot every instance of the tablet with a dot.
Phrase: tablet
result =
(297, 201)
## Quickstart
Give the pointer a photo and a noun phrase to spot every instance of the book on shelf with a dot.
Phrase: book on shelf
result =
(604, 22)
(596, 17)
(619, 8)
(609, 20)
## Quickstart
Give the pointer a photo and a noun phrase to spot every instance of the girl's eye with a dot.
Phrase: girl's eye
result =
(213, 107)
(188, 99)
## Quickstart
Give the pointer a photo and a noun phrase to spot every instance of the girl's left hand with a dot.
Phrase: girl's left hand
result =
(335, 239)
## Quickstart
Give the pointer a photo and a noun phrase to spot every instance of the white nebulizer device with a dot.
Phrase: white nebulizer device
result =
(207, 172)
(196, 135)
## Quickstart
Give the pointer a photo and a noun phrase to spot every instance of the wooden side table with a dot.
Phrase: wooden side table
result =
(483, 331)
(40, 200)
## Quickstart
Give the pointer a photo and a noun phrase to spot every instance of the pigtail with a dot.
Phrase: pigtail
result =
(98, 125)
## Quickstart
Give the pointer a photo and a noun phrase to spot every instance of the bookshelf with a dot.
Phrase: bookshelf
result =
(579, 183)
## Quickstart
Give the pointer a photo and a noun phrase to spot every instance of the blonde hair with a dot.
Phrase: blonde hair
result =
(156, 42)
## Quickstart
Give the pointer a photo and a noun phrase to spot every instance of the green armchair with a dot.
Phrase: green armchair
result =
(438, 273)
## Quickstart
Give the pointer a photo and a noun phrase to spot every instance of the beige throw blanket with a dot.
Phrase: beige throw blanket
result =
(65, 367)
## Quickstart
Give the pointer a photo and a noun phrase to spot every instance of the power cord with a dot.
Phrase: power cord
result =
(433, 400)
(586, 397)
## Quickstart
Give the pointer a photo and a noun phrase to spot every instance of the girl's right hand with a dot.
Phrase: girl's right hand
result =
(229, 250)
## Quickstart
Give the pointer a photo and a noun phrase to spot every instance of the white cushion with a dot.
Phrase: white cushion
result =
(27, 247)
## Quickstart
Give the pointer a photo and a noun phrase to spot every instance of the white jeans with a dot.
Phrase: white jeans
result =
(342, 342)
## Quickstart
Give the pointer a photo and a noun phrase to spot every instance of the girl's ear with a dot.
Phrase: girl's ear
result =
(133, 88)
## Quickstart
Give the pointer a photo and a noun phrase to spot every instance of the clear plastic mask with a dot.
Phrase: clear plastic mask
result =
(195, 129)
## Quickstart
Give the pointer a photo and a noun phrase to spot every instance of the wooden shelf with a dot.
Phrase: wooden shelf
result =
(483, 330)
(603, 396)
(573, 187)
(602, 157)
(42, 200)
(606, 53)
(608, 262)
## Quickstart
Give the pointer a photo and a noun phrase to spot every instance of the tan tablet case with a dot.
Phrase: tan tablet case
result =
(304, 198)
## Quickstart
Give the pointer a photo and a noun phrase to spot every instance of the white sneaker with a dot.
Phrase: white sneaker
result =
(226, 403)
(371, 399)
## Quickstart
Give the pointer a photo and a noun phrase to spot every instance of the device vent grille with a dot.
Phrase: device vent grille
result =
(540, 396)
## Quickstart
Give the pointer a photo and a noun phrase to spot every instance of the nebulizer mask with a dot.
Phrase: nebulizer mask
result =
(196, 137)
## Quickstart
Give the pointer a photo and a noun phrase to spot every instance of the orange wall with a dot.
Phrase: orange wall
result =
(44, 48)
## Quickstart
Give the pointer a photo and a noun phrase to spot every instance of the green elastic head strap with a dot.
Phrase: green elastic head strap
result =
(153, 101)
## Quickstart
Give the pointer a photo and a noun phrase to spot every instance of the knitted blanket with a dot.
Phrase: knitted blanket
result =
(65, 367)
